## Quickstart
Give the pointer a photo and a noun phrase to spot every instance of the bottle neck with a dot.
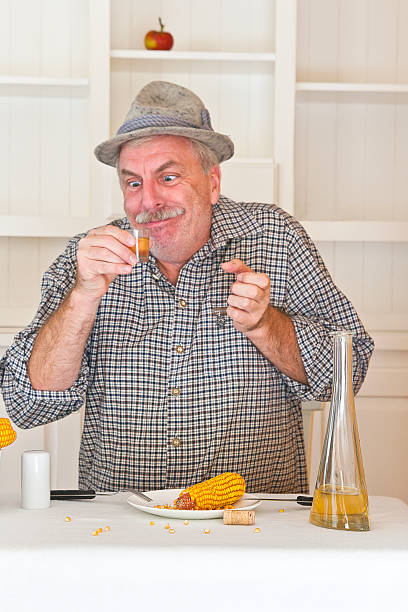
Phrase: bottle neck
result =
(342, 375)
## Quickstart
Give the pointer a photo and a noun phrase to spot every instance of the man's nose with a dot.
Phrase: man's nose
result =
(151, 195)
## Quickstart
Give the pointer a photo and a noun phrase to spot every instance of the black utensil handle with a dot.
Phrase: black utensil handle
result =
(72, 494)
(304, 500)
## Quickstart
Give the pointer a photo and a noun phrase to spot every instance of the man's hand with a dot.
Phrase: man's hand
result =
(249, 300)
(102, 255)
(269, 329)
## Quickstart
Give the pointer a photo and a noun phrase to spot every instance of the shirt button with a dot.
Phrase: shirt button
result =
(175, 391)
(180, 349)
(176, 442)
(182, 303)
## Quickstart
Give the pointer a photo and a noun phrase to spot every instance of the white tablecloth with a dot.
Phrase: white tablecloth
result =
(48, 564)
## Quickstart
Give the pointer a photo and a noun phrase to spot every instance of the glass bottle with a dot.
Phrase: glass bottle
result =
(340, 498)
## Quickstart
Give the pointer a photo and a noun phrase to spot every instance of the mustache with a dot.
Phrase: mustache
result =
(159, 215)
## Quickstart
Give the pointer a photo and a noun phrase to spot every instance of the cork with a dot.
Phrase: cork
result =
(239, 517)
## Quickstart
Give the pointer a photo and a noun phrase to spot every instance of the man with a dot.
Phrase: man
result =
(196, 362)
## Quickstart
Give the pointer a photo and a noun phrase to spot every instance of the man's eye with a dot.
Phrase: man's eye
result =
(169, 178)
(134, 184)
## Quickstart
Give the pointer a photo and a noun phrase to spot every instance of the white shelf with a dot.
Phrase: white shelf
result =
(53, 81)
(353, 87)
(46, 227)
(192, 55)
(357, 231)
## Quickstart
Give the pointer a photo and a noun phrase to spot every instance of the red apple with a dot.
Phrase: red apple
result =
(158, 41)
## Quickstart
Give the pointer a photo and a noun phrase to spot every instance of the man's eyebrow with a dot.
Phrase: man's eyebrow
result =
(164, 166)
(128, 172)
(168, 165)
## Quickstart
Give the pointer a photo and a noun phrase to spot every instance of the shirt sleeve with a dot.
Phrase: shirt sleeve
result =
(317, 308)
(26, 406)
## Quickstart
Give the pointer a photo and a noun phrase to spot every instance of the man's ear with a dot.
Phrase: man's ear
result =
(215, 178)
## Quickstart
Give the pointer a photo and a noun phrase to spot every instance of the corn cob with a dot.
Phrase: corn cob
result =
(7, 433)
(218, 492)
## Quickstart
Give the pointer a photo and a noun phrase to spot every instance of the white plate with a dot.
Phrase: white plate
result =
(167, 496)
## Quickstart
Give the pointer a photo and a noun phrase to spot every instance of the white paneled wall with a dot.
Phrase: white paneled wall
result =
(44, 130)
(24, 261)
(352, 41)
(351, 147)
(352, 155)
(374, 276)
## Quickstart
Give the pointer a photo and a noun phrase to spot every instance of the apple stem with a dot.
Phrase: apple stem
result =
(161, 25)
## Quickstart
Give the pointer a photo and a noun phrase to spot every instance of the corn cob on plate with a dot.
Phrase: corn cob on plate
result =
(205, 499)
(166, 497)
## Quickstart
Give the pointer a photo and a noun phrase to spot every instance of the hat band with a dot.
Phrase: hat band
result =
(163, 121)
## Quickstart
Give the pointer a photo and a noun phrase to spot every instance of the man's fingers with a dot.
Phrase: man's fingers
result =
(104, 254)
(111, 230)
(94, 243)
(260, 280)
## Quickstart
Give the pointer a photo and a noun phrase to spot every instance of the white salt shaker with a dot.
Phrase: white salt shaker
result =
(35, 479)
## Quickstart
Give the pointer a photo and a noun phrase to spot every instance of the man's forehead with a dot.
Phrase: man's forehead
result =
(158, 151)
(159, 142)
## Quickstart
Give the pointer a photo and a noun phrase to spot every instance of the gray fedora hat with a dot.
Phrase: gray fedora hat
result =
(166, 108)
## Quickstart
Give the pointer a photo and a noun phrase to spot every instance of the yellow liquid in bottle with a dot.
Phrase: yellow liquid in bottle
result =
(339, 508)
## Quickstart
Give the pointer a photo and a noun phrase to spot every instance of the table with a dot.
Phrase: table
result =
(48, 564)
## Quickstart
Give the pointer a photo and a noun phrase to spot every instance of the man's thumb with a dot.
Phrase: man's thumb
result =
(235, 266)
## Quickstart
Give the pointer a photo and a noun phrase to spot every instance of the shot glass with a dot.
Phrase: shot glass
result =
(141, 248)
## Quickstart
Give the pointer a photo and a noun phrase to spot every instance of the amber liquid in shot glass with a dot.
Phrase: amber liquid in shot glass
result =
(141, 248)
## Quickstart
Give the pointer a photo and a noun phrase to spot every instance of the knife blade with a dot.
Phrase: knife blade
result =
(302, 500)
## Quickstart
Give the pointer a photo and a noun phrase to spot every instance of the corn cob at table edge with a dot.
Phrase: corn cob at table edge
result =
(218, 492)
(7, 433)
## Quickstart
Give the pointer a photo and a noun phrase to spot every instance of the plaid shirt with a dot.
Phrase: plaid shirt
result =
(174, 393)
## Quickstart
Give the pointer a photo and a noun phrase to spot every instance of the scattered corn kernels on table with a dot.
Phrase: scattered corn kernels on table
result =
(7, 433)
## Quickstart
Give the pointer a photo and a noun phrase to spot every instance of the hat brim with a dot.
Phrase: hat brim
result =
(107, 152)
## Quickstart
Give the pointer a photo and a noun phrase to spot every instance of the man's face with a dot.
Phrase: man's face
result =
(165, 190)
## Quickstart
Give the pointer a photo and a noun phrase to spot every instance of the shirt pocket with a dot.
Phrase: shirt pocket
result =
(228, 355)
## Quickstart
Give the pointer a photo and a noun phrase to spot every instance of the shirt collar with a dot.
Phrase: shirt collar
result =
(231, 221)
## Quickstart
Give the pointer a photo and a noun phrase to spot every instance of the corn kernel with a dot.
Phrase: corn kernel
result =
(207, 531)
(100, 530)
(95, 533)
(167, 526)
(68, 519)
(151, 522)
(257, 530)
(281, 510)
(186, 522)
(107, 528)
(172, 531)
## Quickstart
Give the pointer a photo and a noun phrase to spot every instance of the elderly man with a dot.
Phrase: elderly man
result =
(197, 361)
